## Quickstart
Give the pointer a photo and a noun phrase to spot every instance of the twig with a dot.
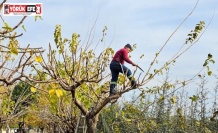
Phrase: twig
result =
(169, 39)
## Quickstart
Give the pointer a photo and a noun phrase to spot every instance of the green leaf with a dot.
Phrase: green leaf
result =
(212, 61)
(173, 100)
(150, 76)
(36, 17)
(210, 56)
(193, 98)
(5, 111)
(7, 27)
(205, 63)
(183, 83)
(74, 42)
(142, 56)
(134, 46)
(24, 28)
(208, 69)
(86, 103)
(156, 71)
(128, 120)
(209, 73)
(161, 98)
(192, 36)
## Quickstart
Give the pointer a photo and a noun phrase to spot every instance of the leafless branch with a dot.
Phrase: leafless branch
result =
(157, 54)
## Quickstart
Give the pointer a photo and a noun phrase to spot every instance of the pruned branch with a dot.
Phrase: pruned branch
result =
(2, 4)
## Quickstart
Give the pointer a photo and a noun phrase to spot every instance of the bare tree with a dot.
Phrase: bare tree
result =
(14, 60)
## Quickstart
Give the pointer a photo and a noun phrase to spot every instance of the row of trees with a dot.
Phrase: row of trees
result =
(173, 112)
(165, 109)
(67, 90)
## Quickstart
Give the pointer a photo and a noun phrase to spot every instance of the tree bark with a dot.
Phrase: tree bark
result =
(91, 122)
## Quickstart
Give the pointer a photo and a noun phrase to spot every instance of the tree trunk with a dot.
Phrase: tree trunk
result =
(41, 129)
(1, 125)
(7, 129)
(91, 122)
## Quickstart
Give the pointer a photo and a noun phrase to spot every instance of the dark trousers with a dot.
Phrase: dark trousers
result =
(116, 68)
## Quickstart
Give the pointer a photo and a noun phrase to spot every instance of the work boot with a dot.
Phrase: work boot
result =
(112, 92)
(133, 84)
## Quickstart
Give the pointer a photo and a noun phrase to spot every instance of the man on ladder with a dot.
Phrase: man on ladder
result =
(117, 66)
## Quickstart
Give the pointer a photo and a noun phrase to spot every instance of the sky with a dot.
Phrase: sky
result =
(147, 23)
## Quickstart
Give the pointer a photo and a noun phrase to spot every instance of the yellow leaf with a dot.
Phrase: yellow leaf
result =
(33, 89)
(14, 51)
(153, 123)
(173, 99)
(31, 52)
(53, 85)
(197, 123)
(38, 59)
(128, 120)
(59, 92)
(51, 92)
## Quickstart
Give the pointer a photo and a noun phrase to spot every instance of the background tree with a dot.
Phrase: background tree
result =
(181, 112)
(23, 95)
